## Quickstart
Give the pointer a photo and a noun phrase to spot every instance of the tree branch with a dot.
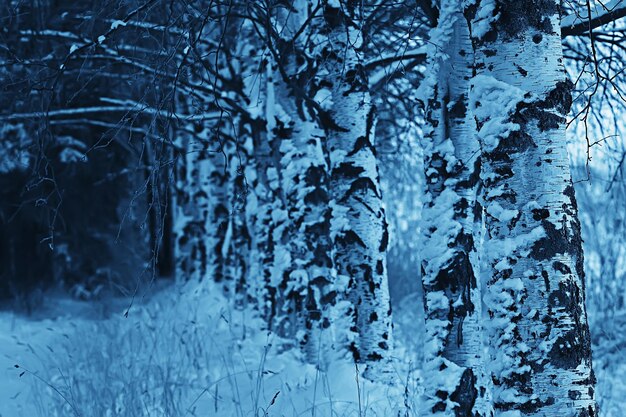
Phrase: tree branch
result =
(575, 25)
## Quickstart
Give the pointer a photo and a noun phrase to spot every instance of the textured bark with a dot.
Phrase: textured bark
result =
(269, 209)
(304, 295)
(238, 236)
(192, 208)
(218, 215)
(454, 380)
(540, 349)
(358, 226)
(201, 209)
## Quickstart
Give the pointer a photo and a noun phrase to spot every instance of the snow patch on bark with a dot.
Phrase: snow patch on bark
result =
(492, 102)
(494, 209)
(501, 247)
(485, 16)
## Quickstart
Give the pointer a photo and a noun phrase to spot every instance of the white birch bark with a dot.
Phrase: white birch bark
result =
(358, 228)
(266, 193)
(201, 208)
(304, 295)
(454, 371)
(192, 207)
(540, 353)
(238, 235)
(217, 220)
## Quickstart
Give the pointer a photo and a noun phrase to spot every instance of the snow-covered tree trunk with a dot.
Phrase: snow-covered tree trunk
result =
(237, 236)
(240, 34)
(358, 226)
(217, 224)
(454, 371)
(295, 174)
(268, 212)
(540, 353)
(201, 206)
(266, 200)
(192, 207)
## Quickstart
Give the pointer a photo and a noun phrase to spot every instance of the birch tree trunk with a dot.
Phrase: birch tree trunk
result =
(192, 206)
(302, 274)
(270, 213)
(201, 208)
(454, 380)
(238, 236)
(240, 34)
(358, 227)
(540, 353)
(266, 195)
(218, 216)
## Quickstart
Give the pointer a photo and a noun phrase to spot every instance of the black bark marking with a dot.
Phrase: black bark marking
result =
(374, 356)
(568, 351)
(517, 17)
(329, 298)
(362, 142)
(574, 395)
(561, 267)
(516, 142)
(373, 317)
(379, 267)
(458, 278)
(465, 394)
(348, 238)
(355, 351)
(362, 185)
(554, 242)
(459, 109)
(348, 170)
(540, 214)
(316, 196)
(384, 242)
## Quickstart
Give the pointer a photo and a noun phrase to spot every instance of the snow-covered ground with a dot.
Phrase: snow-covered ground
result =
(181, 353)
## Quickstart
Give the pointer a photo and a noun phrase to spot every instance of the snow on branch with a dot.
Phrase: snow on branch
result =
(128, 107)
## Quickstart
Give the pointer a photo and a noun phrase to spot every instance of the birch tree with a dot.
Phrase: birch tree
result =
(205, 147)
(359, 227)
(454, 380)
(306, 289)
(191, 210)
(267, 198)
(540, 354)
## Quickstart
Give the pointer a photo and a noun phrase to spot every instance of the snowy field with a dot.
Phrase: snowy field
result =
(180, 353)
